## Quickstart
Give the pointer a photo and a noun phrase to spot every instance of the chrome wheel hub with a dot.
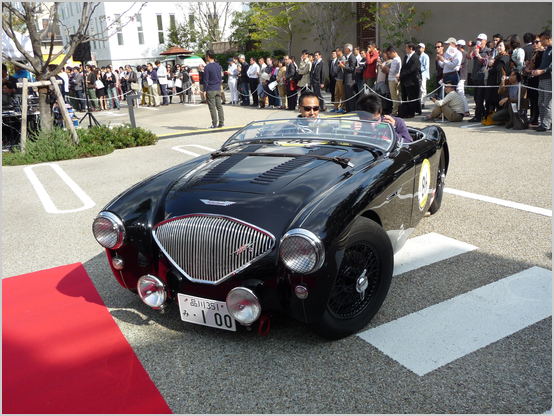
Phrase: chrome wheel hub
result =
(362, 284)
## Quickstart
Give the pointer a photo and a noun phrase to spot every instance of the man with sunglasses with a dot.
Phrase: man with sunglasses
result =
(309, 105)
(439, 49)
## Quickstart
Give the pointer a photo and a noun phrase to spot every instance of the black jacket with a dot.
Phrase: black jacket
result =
(410, 71)
(316, 75)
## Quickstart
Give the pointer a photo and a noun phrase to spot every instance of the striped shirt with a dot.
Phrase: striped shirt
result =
(454, 101)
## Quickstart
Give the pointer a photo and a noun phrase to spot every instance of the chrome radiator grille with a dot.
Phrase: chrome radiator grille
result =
(210, 249)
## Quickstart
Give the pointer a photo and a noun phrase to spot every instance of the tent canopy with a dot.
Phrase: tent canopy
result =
(10, 50)
(176, 50)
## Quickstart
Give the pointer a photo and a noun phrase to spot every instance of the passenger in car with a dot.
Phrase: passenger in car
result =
(372, 104)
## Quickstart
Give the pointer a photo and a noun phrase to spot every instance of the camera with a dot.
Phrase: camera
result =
(473, 43)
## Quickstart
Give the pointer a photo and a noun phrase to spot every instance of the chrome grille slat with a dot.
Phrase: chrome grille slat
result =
(209, 248)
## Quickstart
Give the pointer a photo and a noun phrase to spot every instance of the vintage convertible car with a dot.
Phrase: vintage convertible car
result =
(299, 217)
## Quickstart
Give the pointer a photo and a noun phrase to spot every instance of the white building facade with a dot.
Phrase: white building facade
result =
(135, 42)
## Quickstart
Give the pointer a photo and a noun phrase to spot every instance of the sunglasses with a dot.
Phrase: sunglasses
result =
(537, 41)
(306, 108)
(438, 47)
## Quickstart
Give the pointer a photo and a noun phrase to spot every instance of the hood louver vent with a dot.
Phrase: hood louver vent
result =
(222, 168)
(284, 168)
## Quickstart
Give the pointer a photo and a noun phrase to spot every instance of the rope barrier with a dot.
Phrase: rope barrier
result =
(250, 95)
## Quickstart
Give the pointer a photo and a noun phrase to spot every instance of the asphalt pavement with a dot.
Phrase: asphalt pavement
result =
(504, 173)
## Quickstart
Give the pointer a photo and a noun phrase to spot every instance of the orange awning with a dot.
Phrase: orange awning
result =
(59, 60)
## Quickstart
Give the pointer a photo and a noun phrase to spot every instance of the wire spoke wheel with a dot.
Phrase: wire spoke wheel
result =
(345, 300)
(361, 283)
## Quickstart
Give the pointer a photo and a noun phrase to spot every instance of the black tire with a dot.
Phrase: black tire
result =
(441, 175)
(368, 248)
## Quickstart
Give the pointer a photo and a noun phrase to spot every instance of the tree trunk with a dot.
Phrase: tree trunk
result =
(44, 107)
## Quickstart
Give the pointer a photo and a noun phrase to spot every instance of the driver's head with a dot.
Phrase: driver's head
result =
(372, 104)
(309, 105)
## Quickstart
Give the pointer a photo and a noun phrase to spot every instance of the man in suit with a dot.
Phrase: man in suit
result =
(349, 68)
(317, 78)
(332, 77)
(410, 75)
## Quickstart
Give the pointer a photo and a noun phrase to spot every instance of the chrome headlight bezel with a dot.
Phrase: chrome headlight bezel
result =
(152, 290)
(243, 305)
(311, 242)
(118, 228)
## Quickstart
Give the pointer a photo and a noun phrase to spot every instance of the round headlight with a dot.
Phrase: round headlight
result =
(302, 251)
(152, 291)
(243, 305)
(108, 230)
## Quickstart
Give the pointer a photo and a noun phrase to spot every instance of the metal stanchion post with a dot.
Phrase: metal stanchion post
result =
(442, 113)
(131, 111)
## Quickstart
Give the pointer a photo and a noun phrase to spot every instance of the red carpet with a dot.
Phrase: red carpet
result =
(62, 352)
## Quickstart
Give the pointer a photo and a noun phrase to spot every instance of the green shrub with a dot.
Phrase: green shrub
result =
(57, 144)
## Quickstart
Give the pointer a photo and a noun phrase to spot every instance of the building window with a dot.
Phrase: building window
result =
(140, 30)
(71, 8)
(160, 29)
(172, 21)
(119, 30)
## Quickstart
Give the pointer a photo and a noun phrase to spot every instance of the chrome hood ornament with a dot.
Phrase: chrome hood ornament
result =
(217, 203)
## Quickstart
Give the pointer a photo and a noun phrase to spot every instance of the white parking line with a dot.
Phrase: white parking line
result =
(426, 340)
(476, 126)
(427, 249)
(188, 152)
(510, 204)
(45, 198)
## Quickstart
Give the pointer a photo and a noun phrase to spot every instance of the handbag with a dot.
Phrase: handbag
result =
(99, 84)
(519, 117)
(487, 121)
(178, 83)
(135, 86)
(170, 83)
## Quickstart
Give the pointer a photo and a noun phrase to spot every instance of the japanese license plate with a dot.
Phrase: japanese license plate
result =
(206, 312)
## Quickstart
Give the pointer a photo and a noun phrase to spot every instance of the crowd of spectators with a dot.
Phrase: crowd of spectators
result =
(268, 82)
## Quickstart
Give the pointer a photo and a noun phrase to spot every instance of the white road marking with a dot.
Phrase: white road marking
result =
(149, 108)
(427, 249)
(477, 126)
(440, 334)
(45, 198)
(114, 114)
(179, 149)
(509, 204)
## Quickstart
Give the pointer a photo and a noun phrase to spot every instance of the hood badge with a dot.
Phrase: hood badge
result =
(242, 249)
(217, 203)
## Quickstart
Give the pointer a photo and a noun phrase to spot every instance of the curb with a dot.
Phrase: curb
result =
(199, 131)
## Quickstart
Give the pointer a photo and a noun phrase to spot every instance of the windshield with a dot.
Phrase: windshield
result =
(350, 130)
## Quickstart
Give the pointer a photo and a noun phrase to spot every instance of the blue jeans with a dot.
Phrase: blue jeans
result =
(112, 94)
(163, 87)
(81, 104)
(245, 92)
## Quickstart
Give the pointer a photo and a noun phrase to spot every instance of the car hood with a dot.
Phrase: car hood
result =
(268, 178)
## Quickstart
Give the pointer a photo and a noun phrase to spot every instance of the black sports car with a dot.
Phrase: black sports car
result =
(300, 217)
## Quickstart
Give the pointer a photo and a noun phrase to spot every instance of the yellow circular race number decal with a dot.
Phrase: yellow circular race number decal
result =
(424, 181)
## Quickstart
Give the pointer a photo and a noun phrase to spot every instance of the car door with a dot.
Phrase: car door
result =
(425, 152)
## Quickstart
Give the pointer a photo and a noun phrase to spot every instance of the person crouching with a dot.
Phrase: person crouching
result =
(452, 105)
